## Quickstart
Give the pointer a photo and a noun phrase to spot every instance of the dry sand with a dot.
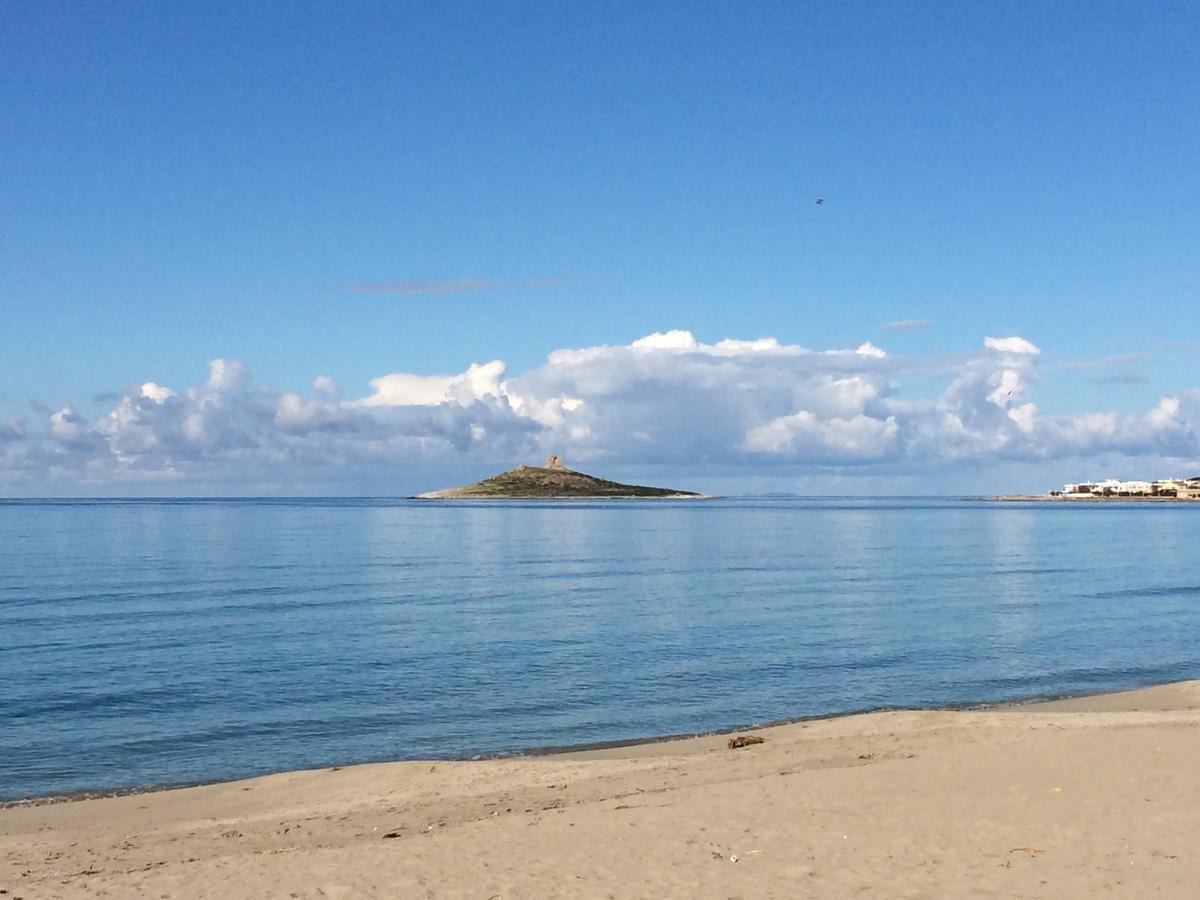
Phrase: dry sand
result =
(1080, 798)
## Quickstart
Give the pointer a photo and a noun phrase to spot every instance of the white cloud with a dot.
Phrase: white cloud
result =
(669, 340)
(1165, 414)
(834, 440)
(1011, 345)
(1023, 415)
(403, 389)
(296, 415)
(1009, 387)
(225, 375)
(66, 426)
(156, 392)
(735, 347)
(667, 398)
(869, 349)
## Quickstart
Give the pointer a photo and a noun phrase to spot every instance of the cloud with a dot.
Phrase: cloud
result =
(1102, 362)
(457, 286)
(156, 392)
(751, 405)
(66, 426)
(323, 384)
(17, 452)
(852, 439)
(224, 375)
(668, 340)
(460, 286)
(903, 325)
(1122, 378)
(403, 389)
(869, 349)
(1011, 345)
(1169, 430)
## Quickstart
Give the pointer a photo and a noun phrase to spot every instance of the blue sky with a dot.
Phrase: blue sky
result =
(366, 189)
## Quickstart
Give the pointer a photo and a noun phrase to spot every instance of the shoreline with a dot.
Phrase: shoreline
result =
(433, 495)
(1015, 800)
(1086, 498)
(587, 748)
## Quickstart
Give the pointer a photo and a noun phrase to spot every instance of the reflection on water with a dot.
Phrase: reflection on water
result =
(166, 642)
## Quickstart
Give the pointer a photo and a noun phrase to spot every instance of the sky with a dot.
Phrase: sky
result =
(378, 248)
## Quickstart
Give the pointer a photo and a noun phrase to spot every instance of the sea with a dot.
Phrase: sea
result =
(160, 642)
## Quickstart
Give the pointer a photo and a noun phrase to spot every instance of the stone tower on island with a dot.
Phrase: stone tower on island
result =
(554, 462)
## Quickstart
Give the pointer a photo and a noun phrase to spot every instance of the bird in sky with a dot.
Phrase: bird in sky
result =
(820, 200)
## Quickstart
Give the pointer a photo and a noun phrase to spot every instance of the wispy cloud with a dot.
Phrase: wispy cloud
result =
(1186, 346)
(901, 325)
(1102, 362)
(458, 286)
(1122, 378)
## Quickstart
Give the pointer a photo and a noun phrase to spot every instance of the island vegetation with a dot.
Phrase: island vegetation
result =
(552, 481)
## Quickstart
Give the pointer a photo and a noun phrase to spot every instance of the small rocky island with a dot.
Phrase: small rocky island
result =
(552, 481)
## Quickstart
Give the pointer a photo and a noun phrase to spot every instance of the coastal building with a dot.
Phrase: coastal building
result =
(1133, 489)
(1180, 488)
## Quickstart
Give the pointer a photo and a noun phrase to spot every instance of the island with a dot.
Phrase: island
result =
(554, 481)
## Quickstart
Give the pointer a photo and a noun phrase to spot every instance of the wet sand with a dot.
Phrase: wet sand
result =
(1096, 796)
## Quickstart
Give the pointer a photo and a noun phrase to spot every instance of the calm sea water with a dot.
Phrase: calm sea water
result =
(149, 642)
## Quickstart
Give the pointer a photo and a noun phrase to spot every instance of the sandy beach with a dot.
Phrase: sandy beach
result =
(1095, 796)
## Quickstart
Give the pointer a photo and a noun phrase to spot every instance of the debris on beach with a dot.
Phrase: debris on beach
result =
(744, 740)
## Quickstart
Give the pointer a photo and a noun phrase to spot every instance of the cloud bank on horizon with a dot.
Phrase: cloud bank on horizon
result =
(664, 399)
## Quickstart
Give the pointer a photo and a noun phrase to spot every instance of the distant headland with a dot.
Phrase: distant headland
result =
(553, 481)
(1165, 489)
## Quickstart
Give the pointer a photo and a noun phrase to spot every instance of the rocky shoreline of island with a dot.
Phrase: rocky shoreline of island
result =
(554, 481)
